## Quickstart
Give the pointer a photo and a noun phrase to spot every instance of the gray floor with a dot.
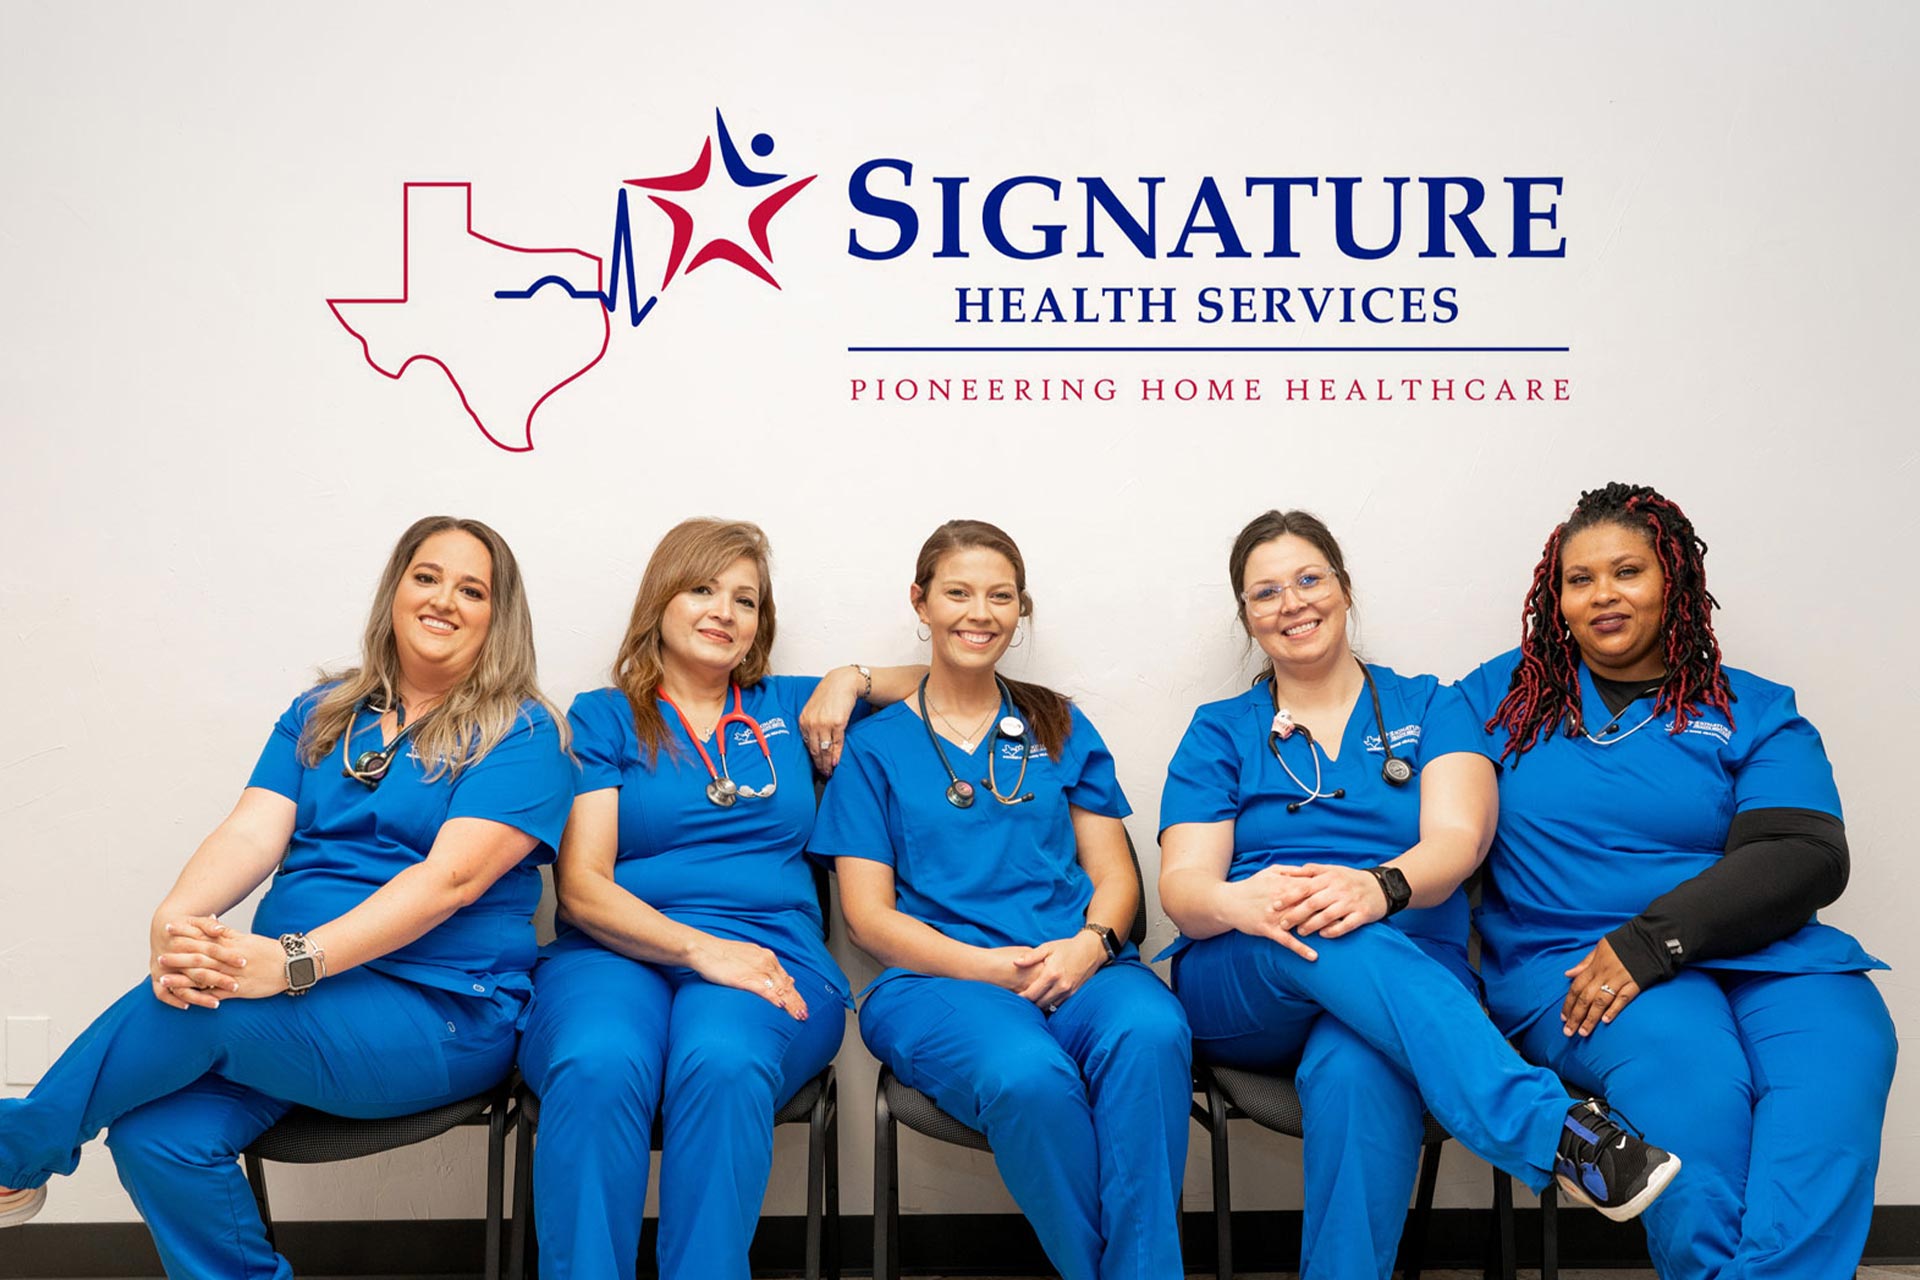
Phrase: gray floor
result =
(1865, 1273)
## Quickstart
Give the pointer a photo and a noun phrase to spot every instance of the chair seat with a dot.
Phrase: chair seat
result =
(800, 1106)
(1273, 1102)
(917, 1111)
(306, 1136)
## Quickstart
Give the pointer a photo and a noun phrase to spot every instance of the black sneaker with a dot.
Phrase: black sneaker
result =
(1602, 1164)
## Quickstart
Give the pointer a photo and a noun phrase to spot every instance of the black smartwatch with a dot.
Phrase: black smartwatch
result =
(1108, 939)
(1394, 885)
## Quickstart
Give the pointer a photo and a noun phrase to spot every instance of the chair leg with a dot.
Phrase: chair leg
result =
(886, 1178)
(496, 1181)
(257, 1180)
(1222, 1182)
(1502, 1258)
(1413, 1242)
(816, 1182)
(832, 1223)
(526, 1118)
(1550, 1232)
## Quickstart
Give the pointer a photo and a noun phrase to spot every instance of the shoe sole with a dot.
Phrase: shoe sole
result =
(20, 1207)
(1657, 1181)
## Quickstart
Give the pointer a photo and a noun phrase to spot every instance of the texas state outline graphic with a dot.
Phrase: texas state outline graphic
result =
(504, 359)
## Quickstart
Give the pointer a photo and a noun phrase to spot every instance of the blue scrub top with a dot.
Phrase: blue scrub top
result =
(1590, 835)
(992, 875)
(1225, 771)
(350, 839)
(739, 873)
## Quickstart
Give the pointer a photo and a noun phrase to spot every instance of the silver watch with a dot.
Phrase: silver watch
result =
(306, 963)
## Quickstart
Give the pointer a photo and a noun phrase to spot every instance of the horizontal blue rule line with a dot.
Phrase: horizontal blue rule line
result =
(1217, 350)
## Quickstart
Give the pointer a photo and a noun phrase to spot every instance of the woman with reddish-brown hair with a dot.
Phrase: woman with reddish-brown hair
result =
(1669, 825)
(690, 981)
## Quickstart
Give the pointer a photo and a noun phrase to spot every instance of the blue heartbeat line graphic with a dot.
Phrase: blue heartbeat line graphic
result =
(622, 259)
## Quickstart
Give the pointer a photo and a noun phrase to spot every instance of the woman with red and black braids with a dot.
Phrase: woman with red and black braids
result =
(1668, 827)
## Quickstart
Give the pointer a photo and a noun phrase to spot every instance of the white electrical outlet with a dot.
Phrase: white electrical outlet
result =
(27, 1040)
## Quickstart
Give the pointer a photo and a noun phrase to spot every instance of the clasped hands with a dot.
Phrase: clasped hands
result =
(196, 960)
(1289, 903)
(1051, 972)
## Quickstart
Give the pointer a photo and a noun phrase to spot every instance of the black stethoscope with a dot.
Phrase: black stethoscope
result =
(1008, 725)
(1395, 772)
(370, 766)
(722, 790)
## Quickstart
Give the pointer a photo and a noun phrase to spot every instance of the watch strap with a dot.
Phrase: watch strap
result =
(1108, 939)
(1394, 887)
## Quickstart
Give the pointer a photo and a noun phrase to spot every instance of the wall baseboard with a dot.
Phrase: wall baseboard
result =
(941, 1243)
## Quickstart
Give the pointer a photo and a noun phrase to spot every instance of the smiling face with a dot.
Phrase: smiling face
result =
(972, 605)
(710, 626)
(1300, 635)
(443, 609)
(1612, 597)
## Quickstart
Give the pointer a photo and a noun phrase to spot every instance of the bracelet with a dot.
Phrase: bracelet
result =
(866, 674)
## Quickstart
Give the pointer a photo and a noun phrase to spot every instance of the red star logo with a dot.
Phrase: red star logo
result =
(693, 178)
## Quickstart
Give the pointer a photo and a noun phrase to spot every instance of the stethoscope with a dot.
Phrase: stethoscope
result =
(1395, 772)
(961, 794)
(722, 790)
(370, 766)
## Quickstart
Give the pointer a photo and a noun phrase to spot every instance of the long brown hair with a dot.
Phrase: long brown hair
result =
(1047, 710)
(479, 711)
(1267, 527)
(692, 552)
(1545, 690)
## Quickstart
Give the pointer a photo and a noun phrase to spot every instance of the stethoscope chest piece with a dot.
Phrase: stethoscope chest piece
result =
(960, 794)
(723, 792)
(1396, 771)
(1012, 727)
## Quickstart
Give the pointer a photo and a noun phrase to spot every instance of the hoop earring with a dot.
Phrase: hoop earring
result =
(924, 632)
(1019, 634)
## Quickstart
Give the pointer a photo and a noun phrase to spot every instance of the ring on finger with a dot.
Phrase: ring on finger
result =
(1609, 990)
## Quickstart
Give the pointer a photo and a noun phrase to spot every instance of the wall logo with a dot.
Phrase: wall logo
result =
(502, 321)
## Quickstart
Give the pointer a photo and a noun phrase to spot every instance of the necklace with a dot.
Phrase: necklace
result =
(1614, 728)
(966, 739)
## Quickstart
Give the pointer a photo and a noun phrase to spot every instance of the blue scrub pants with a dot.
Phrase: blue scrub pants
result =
(611, 1042)
(182, 1092)
(1772, 1089)
(1086, 1109)
(1381, 1032)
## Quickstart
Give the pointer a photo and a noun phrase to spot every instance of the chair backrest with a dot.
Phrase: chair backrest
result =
(1137, 931)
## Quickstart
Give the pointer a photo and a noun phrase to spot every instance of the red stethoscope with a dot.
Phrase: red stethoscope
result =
(722, 790)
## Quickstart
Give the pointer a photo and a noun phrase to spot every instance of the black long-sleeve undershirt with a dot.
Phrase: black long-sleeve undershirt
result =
(1780, 866)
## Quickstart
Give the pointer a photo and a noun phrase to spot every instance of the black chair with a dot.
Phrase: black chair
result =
(305, 1136)
(1273, 1102)
(817, 1104)
(896, 1104)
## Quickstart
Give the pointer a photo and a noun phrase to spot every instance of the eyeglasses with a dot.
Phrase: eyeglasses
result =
(1265, 598)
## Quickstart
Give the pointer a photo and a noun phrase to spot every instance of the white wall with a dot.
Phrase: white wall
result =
(202, 475)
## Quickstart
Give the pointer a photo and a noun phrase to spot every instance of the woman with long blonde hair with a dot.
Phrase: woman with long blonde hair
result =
(400, 809)
(691, 980)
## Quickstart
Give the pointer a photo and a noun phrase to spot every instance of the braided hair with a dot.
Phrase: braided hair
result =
(1545, 691)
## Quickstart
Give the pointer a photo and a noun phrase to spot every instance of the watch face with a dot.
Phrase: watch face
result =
(301, 972)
